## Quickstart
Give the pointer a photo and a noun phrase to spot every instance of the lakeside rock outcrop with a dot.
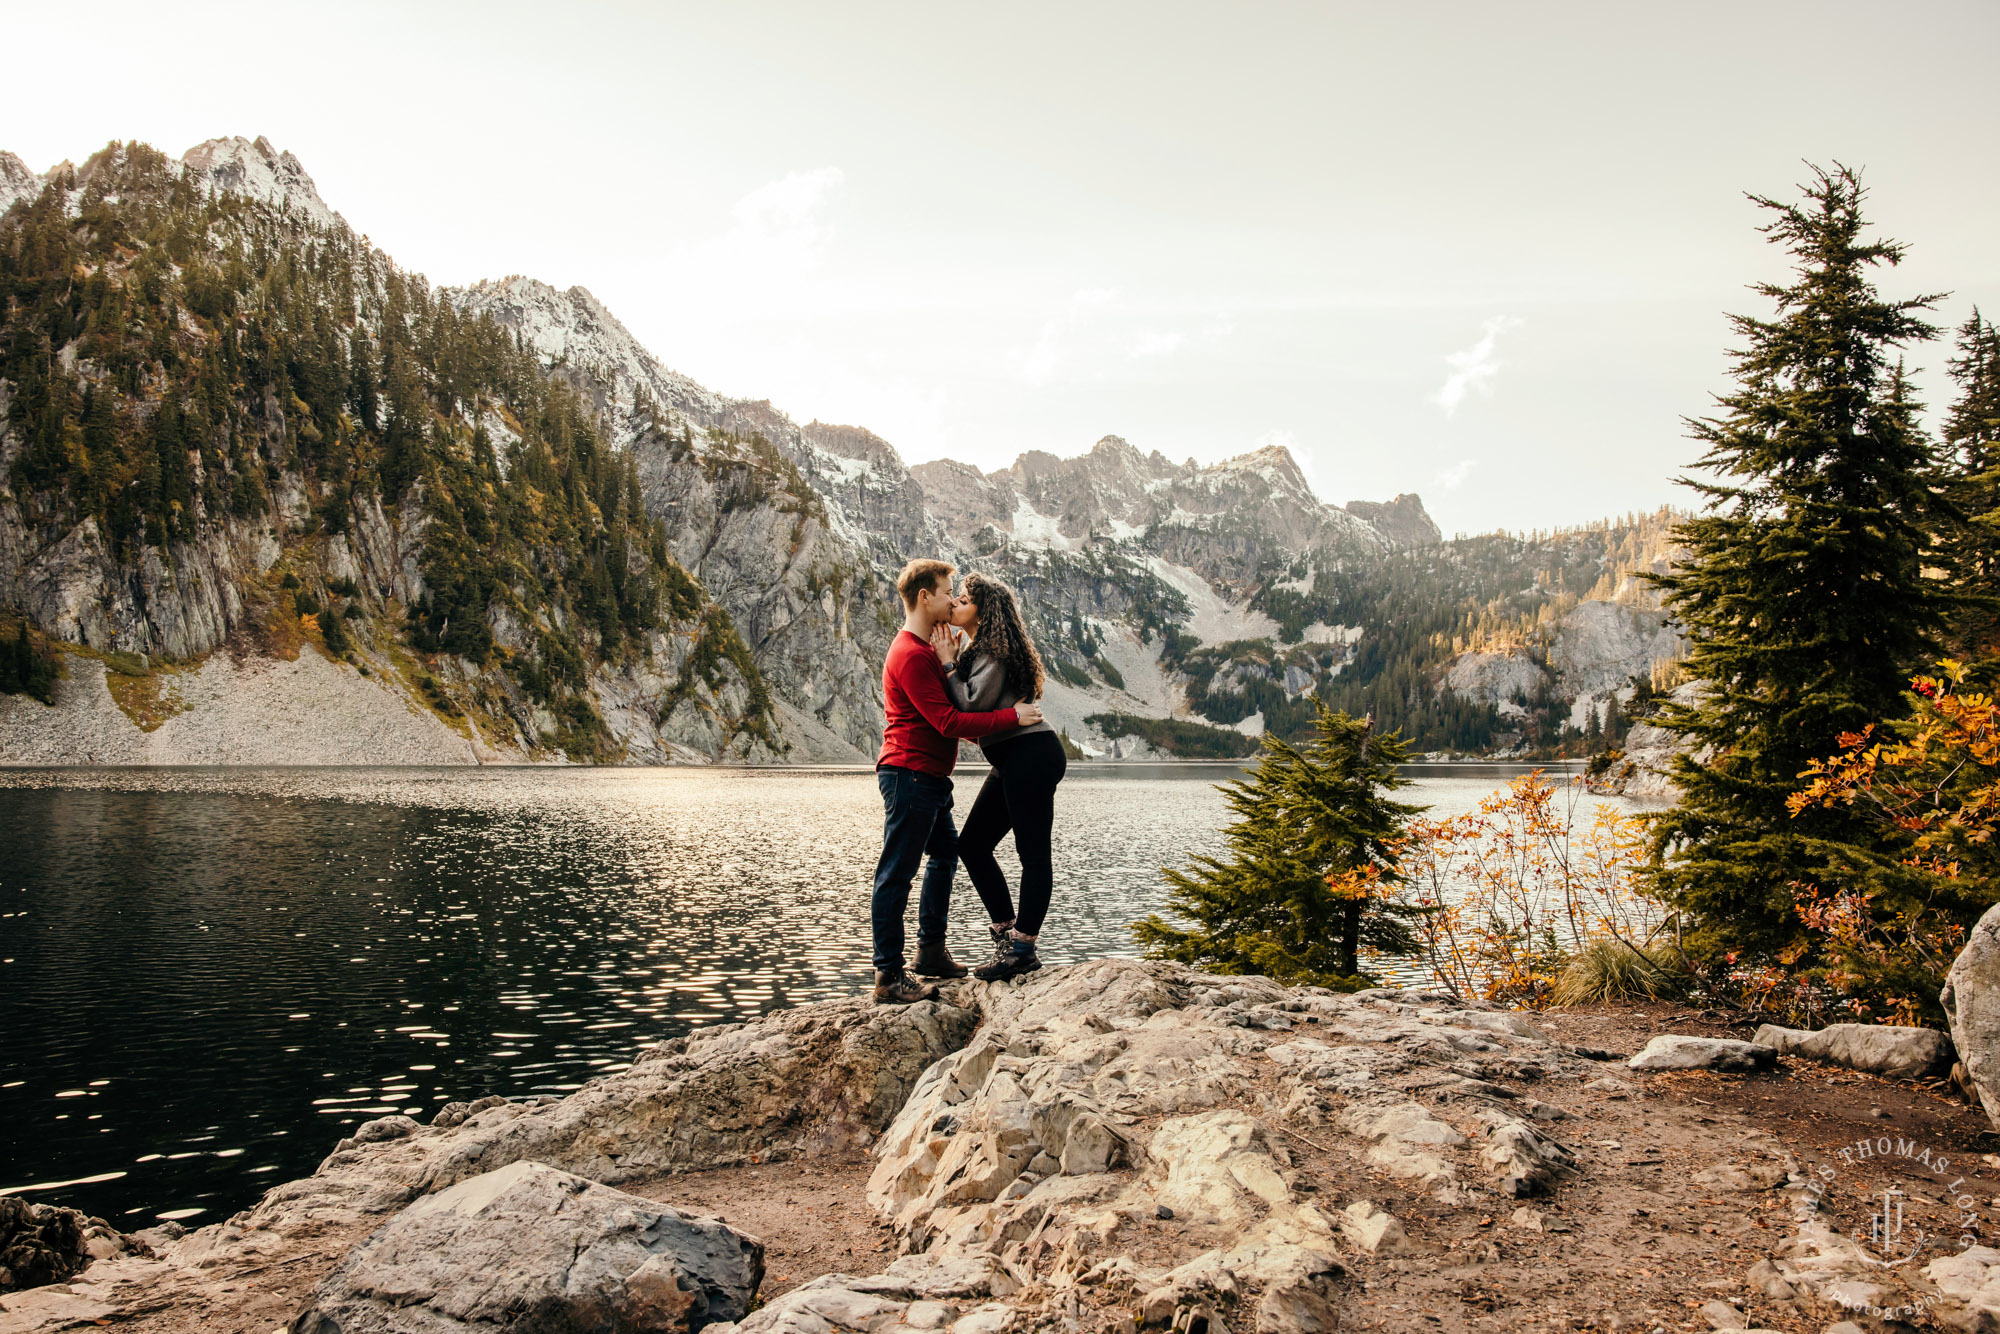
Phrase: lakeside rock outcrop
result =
(1109, 1145)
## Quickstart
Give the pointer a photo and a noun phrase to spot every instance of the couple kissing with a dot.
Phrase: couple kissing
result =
(962, 667)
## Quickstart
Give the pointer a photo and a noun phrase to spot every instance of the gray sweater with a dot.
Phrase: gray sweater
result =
(981, 687)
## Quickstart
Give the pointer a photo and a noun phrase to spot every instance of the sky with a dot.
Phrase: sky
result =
(1481, 252)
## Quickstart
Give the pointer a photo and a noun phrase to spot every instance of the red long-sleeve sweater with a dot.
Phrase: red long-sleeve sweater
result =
(921, 729)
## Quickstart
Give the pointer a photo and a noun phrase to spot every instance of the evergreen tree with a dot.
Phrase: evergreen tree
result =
(1972, 543)
(24, 670)
(1802, 593)
(1313, 842)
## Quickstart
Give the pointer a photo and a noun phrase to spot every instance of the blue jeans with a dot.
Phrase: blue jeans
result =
(916, 811)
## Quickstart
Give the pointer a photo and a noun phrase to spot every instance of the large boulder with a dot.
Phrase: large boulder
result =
(531, 1247)
(1878, 1049)
(1971, 1000)
(1676, 1051)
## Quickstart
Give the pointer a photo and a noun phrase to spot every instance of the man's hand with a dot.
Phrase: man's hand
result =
(946, 644)
(1028, 713)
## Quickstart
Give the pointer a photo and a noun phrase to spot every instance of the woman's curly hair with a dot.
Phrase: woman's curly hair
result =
(1003, 637)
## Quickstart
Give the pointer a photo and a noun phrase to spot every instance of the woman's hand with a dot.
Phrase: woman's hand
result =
(945, 643)
(1027, 713)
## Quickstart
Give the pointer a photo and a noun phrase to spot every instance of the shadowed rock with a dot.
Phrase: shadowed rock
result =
(1878, 1049)
(529, 1247)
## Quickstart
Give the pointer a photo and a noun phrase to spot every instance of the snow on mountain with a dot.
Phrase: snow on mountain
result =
(1215, 520)
(1212, 618)
(17, 182)
(254, 168)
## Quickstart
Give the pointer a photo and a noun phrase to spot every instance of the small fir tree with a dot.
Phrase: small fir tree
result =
(1972, 467)
(1312, 847)
(1803, 591)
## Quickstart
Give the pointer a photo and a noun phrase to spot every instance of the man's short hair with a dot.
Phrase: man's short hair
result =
(921, 576)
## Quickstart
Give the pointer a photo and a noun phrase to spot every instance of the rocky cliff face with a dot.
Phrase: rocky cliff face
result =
(17, 181)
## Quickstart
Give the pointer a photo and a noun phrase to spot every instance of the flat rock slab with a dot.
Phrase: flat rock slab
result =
(1674, 1051)
(1876, 1049)
(532, 1247)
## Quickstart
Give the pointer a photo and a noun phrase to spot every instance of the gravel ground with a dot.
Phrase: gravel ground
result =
(258, 710)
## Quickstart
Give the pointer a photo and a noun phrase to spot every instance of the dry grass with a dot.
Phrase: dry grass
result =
(1610, 970)
(148, 700)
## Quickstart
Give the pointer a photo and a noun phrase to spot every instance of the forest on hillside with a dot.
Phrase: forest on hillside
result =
(1418, 608)
(185, 363)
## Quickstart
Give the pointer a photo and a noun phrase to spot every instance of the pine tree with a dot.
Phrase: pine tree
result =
(1972, 468)
(1802, 593)
(1313, 842)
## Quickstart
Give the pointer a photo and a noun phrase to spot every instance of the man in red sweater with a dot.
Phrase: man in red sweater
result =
(920, 735)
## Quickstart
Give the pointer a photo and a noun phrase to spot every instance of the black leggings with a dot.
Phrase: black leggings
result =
(1019, 793)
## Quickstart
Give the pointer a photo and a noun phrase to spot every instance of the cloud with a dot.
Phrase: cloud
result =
(1475, 367)
(1040, 363)
(1450, 478)
(1155, 343)
(778, 234)
(787, 210)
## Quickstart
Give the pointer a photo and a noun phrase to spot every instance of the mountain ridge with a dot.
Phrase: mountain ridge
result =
(1219, 598)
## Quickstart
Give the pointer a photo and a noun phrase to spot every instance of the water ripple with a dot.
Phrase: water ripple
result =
(206, 975)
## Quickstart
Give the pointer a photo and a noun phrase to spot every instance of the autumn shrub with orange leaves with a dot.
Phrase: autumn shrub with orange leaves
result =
(1884, 928)
(1535, 881)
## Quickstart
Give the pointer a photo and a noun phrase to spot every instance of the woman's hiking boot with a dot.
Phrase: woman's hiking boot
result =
(897, 987)
(1017, 958)
(934, 960)
(1003, 944)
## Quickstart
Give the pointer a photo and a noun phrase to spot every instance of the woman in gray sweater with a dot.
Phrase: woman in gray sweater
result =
(998, 670)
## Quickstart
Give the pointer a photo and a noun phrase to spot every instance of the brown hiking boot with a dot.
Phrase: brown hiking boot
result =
(899, 988)
(934, 960)
(1012, 961)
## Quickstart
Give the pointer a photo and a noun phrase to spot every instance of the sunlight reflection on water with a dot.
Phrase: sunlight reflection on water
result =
(208, 974)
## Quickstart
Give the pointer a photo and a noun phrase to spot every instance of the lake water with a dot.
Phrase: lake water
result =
(207, 975)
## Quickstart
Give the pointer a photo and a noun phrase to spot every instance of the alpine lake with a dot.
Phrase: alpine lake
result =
(209, 975)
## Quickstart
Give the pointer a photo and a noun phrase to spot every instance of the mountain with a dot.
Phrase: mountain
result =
(238, 439)
(486, 522)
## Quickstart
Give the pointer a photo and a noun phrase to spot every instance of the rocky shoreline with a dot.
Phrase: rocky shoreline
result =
(1111, 1146)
